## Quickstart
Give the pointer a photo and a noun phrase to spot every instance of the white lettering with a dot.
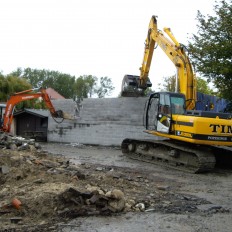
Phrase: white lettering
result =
(217, 138)
(27, 97)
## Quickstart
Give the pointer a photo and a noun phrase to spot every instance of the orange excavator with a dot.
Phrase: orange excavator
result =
(29, 95)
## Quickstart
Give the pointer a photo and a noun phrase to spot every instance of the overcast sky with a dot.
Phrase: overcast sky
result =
(92, 37)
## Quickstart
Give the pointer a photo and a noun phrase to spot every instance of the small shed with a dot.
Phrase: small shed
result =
(32, 123)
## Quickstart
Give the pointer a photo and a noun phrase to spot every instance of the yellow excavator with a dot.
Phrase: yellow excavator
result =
(191, 137)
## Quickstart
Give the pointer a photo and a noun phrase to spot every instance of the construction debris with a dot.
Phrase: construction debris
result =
(35, 184)
(39, 189)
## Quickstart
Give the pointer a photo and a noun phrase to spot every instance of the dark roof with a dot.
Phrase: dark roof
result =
(39, 113)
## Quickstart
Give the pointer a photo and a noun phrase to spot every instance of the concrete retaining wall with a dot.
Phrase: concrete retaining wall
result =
(101, 121)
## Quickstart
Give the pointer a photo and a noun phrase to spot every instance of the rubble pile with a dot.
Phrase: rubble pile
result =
(17, 143)
(41, 190)
(96, 202)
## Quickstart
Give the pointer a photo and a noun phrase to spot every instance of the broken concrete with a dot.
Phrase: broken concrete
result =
(53, 189)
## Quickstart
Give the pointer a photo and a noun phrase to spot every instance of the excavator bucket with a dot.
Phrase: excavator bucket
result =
(68, 116)
(130, 87)
(63, 115)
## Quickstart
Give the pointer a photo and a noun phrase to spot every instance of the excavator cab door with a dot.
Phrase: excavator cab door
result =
(160, 109)
(158, 112)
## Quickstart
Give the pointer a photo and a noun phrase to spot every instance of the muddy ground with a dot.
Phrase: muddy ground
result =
(154, 198)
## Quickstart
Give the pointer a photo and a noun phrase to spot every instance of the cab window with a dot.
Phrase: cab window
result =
(177, 105)
(164, 104)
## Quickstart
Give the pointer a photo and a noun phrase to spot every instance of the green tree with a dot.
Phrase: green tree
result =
(203, 87)
(61, 82)
(84, 86)
(17, 84)
(4, 88)
(211, 49)
(88, 86)
(11, 84)
(33, 76)
(169, 84)
(69, 86)
(105, 88)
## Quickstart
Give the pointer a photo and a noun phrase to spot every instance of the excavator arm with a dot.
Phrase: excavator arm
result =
(186, 81)
(189, 135)
(29, 95)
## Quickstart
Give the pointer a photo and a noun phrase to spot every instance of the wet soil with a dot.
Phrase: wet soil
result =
(157, 198)
(177, 201)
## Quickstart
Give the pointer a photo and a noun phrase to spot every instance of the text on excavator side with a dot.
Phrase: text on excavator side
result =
(221, 128)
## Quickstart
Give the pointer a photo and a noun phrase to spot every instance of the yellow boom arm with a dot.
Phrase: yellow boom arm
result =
(176, 53)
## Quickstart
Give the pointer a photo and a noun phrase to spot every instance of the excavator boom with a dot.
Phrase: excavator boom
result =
(186, 80)
(189, 135)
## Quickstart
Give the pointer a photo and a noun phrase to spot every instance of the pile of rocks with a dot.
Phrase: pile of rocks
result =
(8, 141)
(74, 203)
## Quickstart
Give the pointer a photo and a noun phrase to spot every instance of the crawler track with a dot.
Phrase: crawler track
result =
(181, 156)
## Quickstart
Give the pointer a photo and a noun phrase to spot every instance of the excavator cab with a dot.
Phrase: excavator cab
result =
(160, 108)
(173, 116)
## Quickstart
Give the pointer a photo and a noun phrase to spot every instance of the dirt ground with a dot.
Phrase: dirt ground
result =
(69, 187)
